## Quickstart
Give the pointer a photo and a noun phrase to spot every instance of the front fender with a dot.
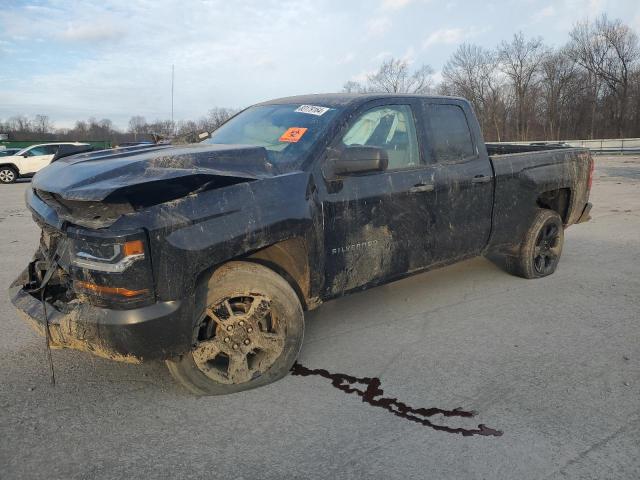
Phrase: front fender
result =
(208, 229)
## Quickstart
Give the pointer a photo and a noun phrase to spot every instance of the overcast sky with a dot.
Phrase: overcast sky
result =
(112, 58)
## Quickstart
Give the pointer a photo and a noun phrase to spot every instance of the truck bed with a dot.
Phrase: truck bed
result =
(530, 176)
(511, 148)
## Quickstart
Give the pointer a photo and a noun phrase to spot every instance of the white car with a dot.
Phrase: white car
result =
(29, 160)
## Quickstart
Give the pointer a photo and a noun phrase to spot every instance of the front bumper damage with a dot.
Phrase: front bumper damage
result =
(155, 332)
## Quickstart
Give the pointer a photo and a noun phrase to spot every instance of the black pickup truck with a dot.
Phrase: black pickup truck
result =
(207, 255)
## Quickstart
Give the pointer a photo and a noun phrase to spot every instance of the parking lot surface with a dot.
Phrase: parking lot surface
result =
(550, 367)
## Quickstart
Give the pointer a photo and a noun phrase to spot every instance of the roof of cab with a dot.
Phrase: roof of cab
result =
(343, 99)
(55, 143)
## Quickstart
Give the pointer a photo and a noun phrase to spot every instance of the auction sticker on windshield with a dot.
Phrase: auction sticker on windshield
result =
(293, 134)
(312, 110)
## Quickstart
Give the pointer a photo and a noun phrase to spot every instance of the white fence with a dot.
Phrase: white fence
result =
(605, 145)
(601, 145)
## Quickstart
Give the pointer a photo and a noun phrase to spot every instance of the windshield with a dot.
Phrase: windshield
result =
(287, 132)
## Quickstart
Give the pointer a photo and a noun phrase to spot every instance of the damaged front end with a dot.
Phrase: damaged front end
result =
(96, 294)
(94, 190)
(90, 286)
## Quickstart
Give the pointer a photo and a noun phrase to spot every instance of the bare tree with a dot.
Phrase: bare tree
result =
(635, 102)
(622, 54)
(217, 116)
(81, 129)
(352, 87)
(588, 48)
(520, 91)
(395, 76)
(162, 128)
(42, 124)
(558, 75)
(20, 123)
(471, 73)
(137, 126)
(519, 61)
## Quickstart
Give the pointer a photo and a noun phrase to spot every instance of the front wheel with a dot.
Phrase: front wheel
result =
(540, 250)
(249, 334)
(8, 175)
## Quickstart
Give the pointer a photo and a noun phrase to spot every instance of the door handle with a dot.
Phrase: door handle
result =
(481, 179)
(422, 187)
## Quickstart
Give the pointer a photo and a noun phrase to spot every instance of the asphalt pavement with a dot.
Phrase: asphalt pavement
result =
(549, 370)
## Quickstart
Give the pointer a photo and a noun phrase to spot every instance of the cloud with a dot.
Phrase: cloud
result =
(546, 12)
(5, 48)
(378, 26)
(363, 76)
(395, 4)
(452, 36)
(92, 32)
(112, 58)
(347, 59)
(382, 56)
(445, 36)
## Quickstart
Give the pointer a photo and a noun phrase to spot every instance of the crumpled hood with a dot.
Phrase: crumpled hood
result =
(94, 176)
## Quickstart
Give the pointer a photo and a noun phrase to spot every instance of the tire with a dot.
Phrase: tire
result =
(8, 174)
(248, 335)
(540, 250)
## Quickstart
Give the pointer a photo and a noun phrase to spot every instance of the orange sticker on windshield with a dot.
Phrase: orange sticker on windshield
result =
(293, 135)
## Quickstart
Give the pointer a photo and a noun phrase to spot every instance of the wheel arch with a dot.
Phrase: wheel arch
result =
(12, 165)
(289, 258)
(558, 200)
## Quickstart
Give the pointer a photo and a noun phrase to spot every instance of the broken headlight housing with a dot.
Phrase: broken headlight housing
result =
(110, 270)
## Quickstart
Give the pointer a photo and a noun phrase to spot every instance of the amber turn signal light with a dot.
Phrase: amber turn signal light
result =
(101, 290)
(133, 247)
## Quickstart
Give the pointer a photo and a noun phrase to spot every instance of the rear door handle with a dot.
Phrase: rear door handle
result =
(481, 179)
(422, 187)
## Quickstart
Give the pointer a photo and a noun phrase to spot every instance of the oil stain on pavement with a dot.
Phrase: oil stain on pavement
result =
(373, 396)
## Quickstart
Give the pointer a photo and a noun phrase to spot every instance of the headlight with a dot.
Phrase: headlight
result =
(105, 255)
(111, 269)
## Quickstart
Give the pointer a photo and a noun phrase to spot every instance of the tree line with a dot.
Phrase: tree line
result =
(41, 128)
(524, 90)
(521, 90)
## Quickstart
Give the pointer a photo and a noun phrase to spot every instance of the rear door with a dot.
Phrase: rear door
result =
(463, 179)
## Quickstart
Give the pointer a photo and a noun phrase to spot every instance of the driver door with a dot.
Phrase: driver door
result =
(374, 228)
(38, 158)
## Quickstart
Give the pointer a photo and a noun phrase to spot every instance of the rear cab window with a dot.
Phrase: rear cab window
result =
(449, 138)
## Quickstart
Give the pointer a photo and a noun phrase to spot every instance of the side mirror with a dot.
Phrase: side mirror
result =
(360, 159)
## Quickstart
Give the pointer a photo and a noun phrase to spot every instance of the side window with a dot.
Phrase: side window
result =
(391, 128)
(51, 149)
(450, 136)
(38, 151)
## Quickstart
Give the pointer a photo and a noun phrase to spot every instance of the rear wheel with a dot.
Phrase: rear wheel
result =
(249, 334)
(8, 174)
(539, 252)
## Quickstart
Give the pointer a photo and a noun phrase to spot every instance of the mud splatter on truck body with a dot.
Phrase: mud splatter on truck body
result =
(169, 216)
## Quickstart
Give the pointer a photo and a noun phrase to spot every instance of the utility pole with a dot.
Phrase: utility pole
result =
(172, 77)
